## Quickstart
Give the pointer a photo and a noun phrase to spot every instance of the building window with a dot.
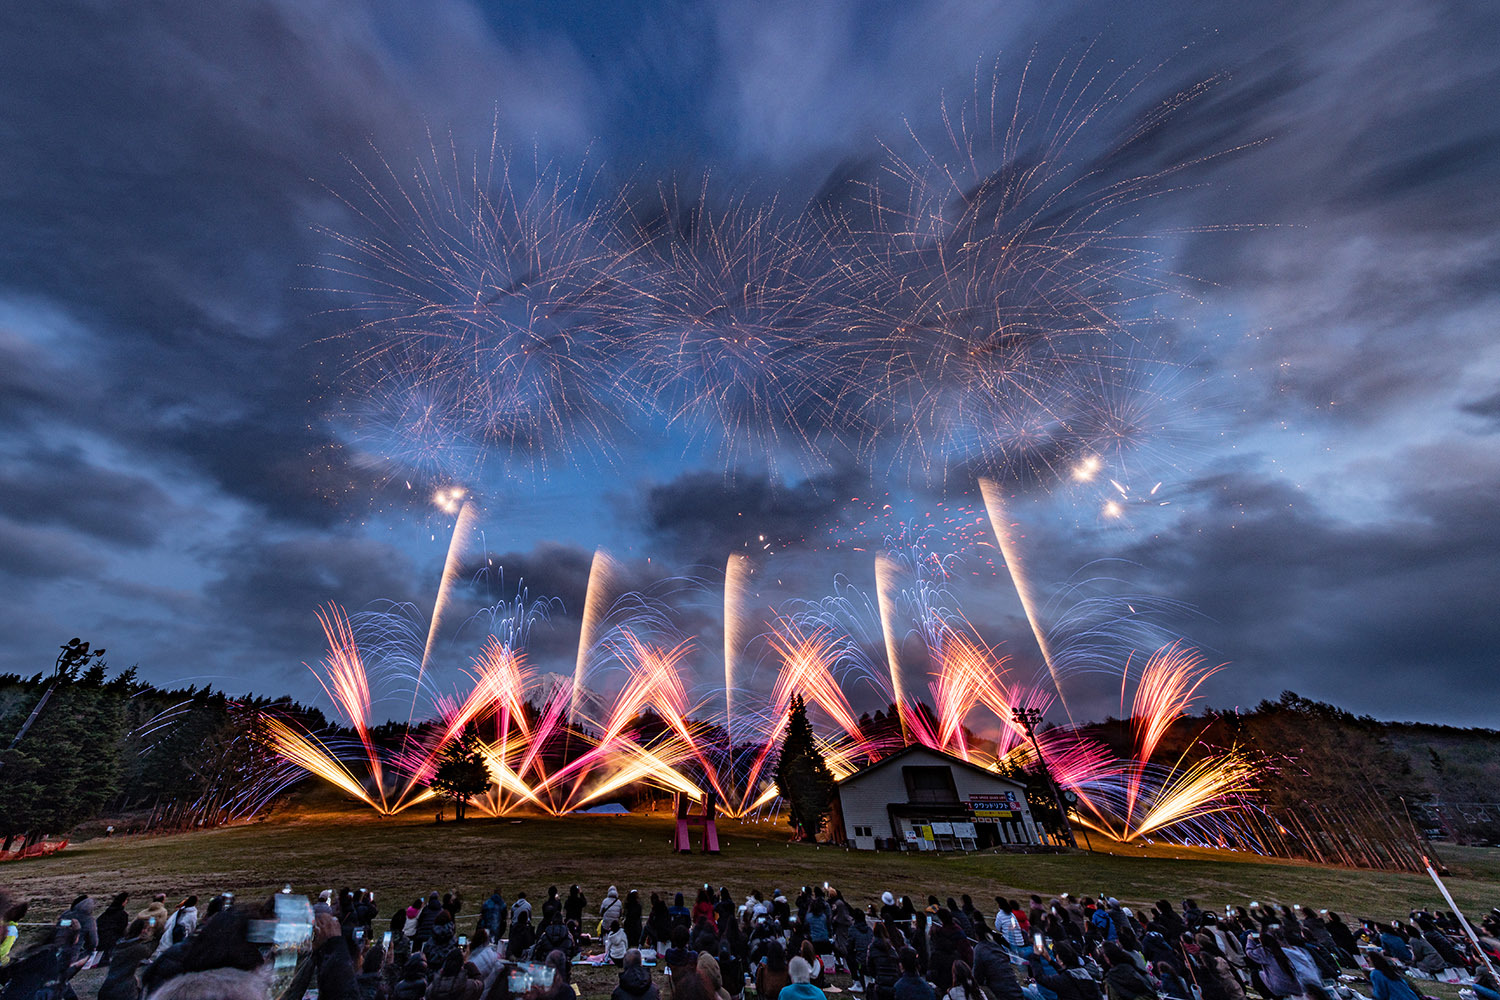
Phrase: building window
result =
(930, 785)
(863, 831)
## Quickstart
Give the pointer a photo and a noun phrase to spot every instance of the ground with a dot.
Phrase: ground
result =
(316, 844)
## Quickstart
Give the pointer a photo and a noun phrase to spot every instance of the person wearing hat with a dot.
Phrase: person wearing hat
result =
(890, 915)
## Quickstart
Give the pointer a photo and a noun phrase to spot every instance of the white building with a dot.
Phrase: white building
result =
(920, 799)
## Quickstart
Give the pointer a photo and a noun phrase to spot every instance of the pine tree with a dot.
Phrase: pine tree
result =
(802, 777)
(461, 772)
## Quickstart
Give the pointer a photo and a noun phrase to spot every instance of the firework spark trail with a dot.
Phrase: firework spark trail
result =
(736, 584)
(974, 304)
(596, 603)
(313, 756)
(463, 528)
(1165, 692)
(886, 591)
(494, 297)
(742, 338)
(1197, 791)
(345, 681)
(994, 505)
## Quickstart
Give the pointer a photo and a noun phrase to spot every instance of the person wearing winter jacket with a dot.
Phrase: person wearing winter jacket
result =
(1276, 969)
(633, 921)
(949, 945)
(113, 922)
(992, 968)
(732, 970)
(82, 914)
(485, 957)
(413, 982)
(522, 937)
(182, 923)
(635, 980)
(882, 965)
(911, 985)
(458, 980)
(1173, 985)
(1424, 956)
(611, 909)
(555, 937)
(1394, 945)
(129, 953)
(1123, 979)
(426, 919)
(520, 906)
(1213, 972)
(492, 913)
(800, 987)
(860, 935)
(573, 906)
(156, 908)
(1067, 979)
(616, 944)
(1387, 982)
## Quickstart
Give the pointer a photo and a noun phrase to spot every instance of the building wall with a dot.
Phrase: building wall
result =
(864, 798)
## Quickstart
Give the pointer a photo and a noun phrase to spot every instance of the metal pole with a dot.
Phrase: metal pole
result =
(1028, 718)
(67, 651)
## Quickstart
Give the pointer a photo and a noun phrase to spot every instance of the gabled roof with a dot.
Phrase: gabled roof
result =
(948, 757)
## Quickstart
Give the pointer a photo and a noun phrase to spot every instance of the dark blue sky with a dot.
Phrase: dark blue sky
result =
(176, 479)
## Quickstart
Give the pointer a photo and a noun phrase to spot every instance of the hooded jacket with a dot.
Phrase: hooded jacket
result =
(122, 982)
(112, 924)
(994, 972)
(1126, 982)
(88, 929)
(635, 984)
(611, 909)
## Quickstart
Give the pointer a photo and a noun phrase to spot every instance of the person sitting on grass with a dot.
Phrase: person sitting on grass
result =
(771, 977)
(800, 987)
(635, 980)
(561, 988)
(962, 985)
(129, 951)
(413, 982)
(458, 980)
(911, 985)
(616, 944)
(1387, 982)
(680, 959)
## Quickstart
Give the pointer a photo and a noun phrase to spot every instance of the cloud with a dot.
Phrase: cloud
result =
(703, 517)
(1393, 615)
(61, 487)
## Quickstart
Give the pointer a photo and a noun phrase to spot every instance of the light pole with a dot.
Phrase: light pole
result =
(1027, 718)
(76, 651)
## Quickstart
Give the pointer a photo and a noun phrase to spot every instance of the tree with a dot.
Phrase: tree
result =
(461, 772)
(63, 765)
(802, 777)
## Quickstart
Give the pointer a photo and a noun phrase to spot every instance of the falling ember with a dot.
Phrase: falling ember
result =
(994, 505)
(602, 574)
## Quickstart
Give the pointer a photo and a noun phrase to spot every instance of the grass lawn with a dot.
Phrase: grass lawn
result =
(318, 843)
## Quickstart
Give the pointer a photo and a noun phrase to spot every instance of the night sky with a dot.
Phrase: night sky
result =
(181, 479)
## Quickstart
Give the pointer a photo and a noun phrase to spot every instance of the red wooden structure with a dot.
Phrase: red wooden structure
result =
(681, 843)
